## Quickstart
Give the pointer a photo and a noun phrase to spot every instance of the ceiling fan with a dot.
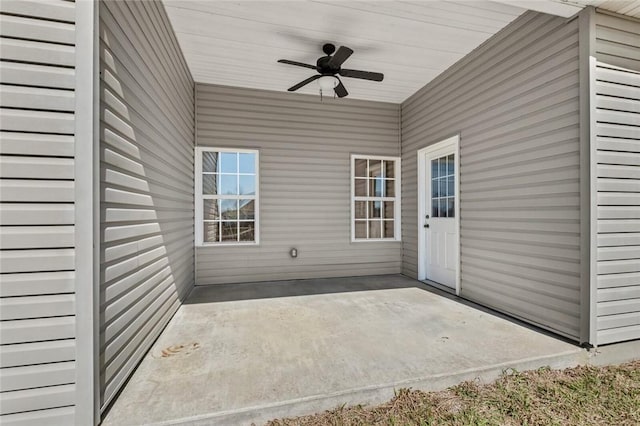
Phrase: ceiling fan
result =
(328, 68)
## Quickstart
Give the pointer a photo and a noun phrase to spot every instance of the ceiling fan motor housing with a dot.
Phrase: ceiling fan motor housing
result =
(325, 68)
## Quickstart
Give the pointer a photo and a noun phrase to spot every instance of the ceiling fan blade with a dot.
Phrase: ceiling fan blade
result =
(341, 91)
(364, 75)
(298, 64)
(303, 83)
(340, 56)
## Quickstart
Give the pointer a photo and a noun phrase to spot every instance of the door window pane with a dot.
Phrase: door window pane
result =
(443, 186)
(434, 169)
(451, 212)
(442, 166)
(450, 165)
(435, 208)
(443, 207)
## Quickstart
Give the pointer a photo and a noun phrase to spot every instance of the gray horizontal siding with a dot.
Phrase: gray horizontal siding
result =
(514, 102)
(617, 124)
(37, 253)
(146, 170)
(305, 148)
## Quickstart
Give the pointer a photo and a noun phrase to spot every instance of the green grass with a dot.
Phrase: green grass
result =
(575, 396)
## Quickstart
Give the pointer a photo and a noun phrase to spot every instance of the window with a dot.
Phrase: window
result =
(443, 196)
(226, 196)
(375, 198)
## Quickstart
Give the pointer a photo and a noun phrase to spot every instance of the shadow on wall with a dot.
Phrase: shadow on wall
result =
(146, 208)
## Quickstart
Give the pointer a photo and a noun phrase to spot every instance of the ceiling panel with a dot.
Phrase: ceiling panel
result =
(239, 43)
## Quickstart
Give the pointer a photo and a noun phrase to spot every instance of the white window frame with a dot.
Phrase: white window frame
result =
(199, 198)
(397, 231)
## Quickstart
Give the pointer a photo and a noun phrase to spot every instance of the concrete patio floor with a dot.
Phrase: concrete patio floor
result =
(253, 352)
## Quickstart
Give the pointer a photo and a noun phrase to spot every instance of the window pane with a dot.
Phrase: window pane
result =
(228, 185)
(450, 165)
(375, 168)
(360, 211)
(443, 186)
(360, 187)
(375, 229)
(443, 207)
(229, 162)
(375, 209)
(450, 186)
(435, 210)
(229, 209)
(360, 168)
(210, 184)
(434, 169)
(210, 210)
(435, 188)
(389, 188)
(247, 163)
(209, 161)
(442, 166)
(388, 229)
(247, 185)
(375, 187)
(211, 232)
(247, 209)
(390, 169)
(389, 209)
(247, 231)
(230, 231)
(451, 211)
(361, 229)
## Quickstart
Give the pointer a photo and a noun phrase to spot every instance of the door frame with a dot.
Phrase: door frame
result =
(454, 143)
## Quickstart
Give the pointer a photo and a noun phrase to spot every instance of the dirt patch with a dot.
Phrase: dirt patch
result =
(576, 396)
(179, 350)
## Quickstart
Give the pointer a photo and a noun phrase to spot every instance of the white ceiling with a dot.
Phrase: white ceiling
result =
(238, 43)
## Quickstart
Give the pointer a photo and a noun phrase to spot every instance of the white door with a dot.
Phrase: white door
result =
(438, 222)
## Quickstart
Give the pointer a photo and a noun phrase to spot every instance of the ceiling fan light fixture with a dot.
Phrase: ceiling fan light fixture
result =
(327, 82)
